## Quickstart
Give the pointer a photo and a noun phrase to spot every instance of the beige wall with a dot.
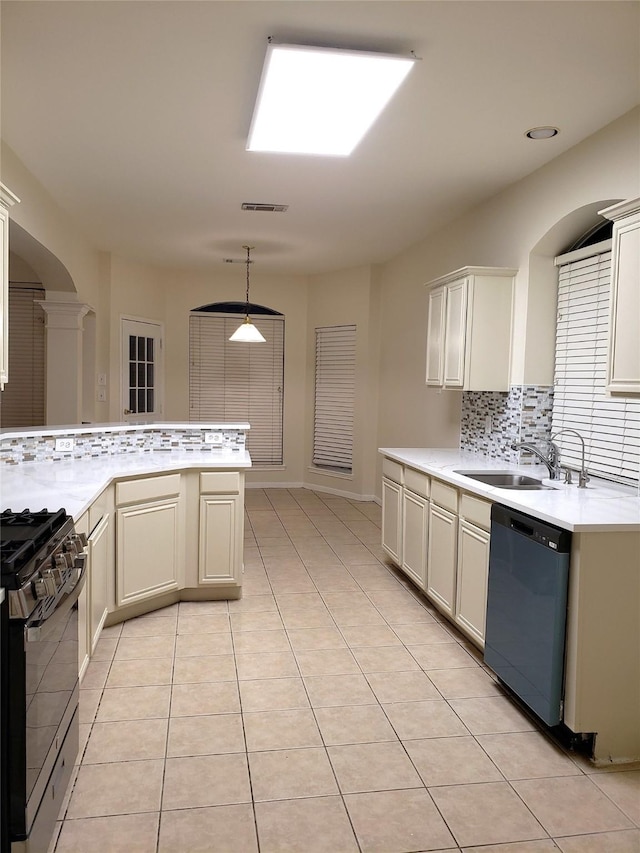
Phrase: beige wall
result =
(347, 297)
(184, 291)
(522, 227)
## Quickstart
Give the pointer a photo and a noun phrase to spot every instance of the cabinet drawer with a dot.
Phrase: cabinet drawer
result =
(147, 489)
(220, 482)
(392, 470)
(444, 495)
(476, 510)
(416, 481)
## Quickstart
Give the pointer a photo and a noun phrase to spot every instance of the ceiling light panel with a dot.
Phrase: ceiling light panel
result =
(321, 100)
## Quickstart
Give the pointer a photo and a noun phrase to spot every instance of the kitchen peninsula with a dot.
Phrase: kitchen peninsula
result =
(162, 507)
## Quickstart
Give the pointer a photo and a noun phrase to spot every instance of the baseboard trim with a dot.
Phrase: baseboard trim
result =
(328, 490)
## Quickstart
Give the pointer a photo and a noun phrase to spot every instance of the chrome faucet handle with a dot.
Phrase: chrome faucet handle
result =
(583, 479)
(567, 474)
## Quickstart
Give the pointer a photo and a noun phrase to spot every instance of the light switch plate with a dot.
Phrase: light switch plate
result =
(101, 396)
(102, 379)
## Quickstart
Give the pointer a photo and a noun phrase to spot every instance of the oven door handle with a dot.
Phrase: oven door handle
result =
(34, 632)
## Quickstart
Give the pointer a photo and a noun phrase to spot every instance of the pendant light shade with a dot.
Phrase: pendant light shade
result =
(246, 331)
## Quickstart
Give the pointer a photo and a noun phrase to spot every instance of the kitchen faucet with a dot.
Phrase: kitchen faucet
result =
(583, 476)
(551, 459)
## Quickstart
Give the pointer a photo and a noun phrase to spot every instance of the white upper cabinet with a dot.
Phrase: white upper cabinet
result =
(7, 200)
(469, 329)
(623, 363)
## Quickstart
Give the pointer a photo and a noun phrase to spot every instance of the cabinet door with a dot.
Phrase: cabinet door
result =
(415, 522)
(148, 562)
(441, 558)
(221, 535)
(392, 520)
(435, 336)
(473, 573)
(99, 552)
(623, 372)
(455, 334)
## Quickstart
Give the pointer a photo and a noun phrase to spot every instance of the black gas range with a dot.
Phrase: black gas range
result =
(42, 570)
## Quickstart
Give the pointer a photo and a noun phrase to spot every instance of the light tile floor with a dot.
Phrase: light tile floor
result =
(330, 710)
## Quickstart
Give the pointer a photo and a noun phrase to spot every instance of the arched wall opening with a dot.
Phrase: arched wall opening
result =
(537, 364)
(56, 386)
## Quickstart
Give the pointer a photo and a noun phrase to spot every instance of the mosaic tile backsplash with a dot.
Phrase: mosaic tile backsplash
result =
(494, 420)
(42, 448)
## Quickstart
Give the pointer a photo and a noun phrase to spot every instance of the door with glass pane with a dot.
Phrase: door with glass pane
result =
(141, 370)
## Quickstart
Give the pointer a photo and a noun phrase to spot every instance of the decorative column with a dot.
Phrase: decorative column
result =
(64, 325)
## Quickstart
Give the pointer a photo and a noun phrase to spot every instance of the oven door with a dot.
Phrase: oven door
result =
(43, 699)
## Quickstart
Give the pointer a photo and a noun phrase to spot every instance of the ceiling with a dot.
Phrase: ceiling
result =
(134, 116)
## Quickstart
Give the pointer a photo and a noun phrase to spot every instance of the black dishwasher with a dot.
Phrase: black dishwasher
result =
(527, 609)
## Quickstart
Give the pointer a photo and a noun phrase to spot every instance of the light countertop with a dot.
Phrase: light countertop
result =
(601, 506)
(75, 483)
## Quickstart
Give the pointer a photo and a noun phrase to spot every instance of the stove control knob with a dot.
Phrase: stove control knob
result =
(81, 540)
(70, 546)
(63, 561)
(49, 580)
(39, 588)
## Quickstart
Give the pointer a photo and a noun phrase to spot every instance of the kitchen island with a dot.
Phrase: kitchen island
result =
(436, 528)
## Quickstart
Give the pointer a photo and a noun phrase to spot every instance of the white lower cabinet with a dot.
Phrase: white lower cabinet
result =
(221, 529)
(472, 575)
(99, 557)
(439, 537)
(441, 558)
(149, 536)
(392, 519)
(415, 526)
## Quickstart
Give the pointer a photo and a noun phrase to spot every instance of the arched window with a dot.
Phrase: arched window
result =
(233, 381)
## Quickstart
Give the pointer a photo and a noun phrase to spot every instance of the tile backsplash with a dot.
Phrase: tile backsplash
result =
(521, 414)
(92, 443)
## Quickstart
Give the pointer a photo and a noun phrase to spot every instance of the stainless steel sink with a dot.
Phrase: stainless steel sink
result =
(505, 479)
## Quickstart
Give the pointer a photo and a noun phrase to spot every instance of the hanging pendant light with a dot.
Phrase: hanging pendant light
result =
(246, 331)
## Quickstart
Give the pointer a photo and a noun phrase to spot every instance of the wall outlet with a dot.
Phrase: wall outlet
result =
(213, 438)
(64, 445)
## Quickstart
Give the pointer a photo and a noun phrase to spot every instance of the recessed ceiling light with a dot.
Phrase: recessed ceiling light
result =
(315, 100)
(542, 132)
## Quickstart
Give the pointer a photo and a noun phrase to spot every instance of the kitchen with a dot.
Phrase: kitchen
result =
(521, 226)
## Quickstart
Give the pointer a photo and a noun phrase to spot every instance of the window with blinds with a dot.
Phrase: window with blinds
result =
(334, 397)
(609, 425)
(23, 401)
(233, 381)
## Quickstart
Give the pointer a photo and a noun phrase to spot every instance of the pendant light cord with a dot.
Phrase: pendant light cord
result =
(248, 248)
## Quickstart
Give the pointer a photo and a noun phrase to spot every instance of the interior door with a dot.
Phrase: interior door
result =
(141, 370)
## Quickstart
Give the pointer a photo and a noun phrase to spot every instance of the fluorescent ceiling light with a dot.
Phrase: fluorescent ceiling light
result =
(315, 100)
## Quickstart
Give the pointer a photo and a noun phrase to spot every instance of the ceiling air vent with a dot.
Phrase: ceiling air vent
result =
(265, 208)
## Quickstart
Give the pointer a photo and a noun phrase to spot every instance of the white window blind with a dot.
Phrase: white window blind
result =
(609, 425)
(23, 396)
(334, 397)
(233, 381)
